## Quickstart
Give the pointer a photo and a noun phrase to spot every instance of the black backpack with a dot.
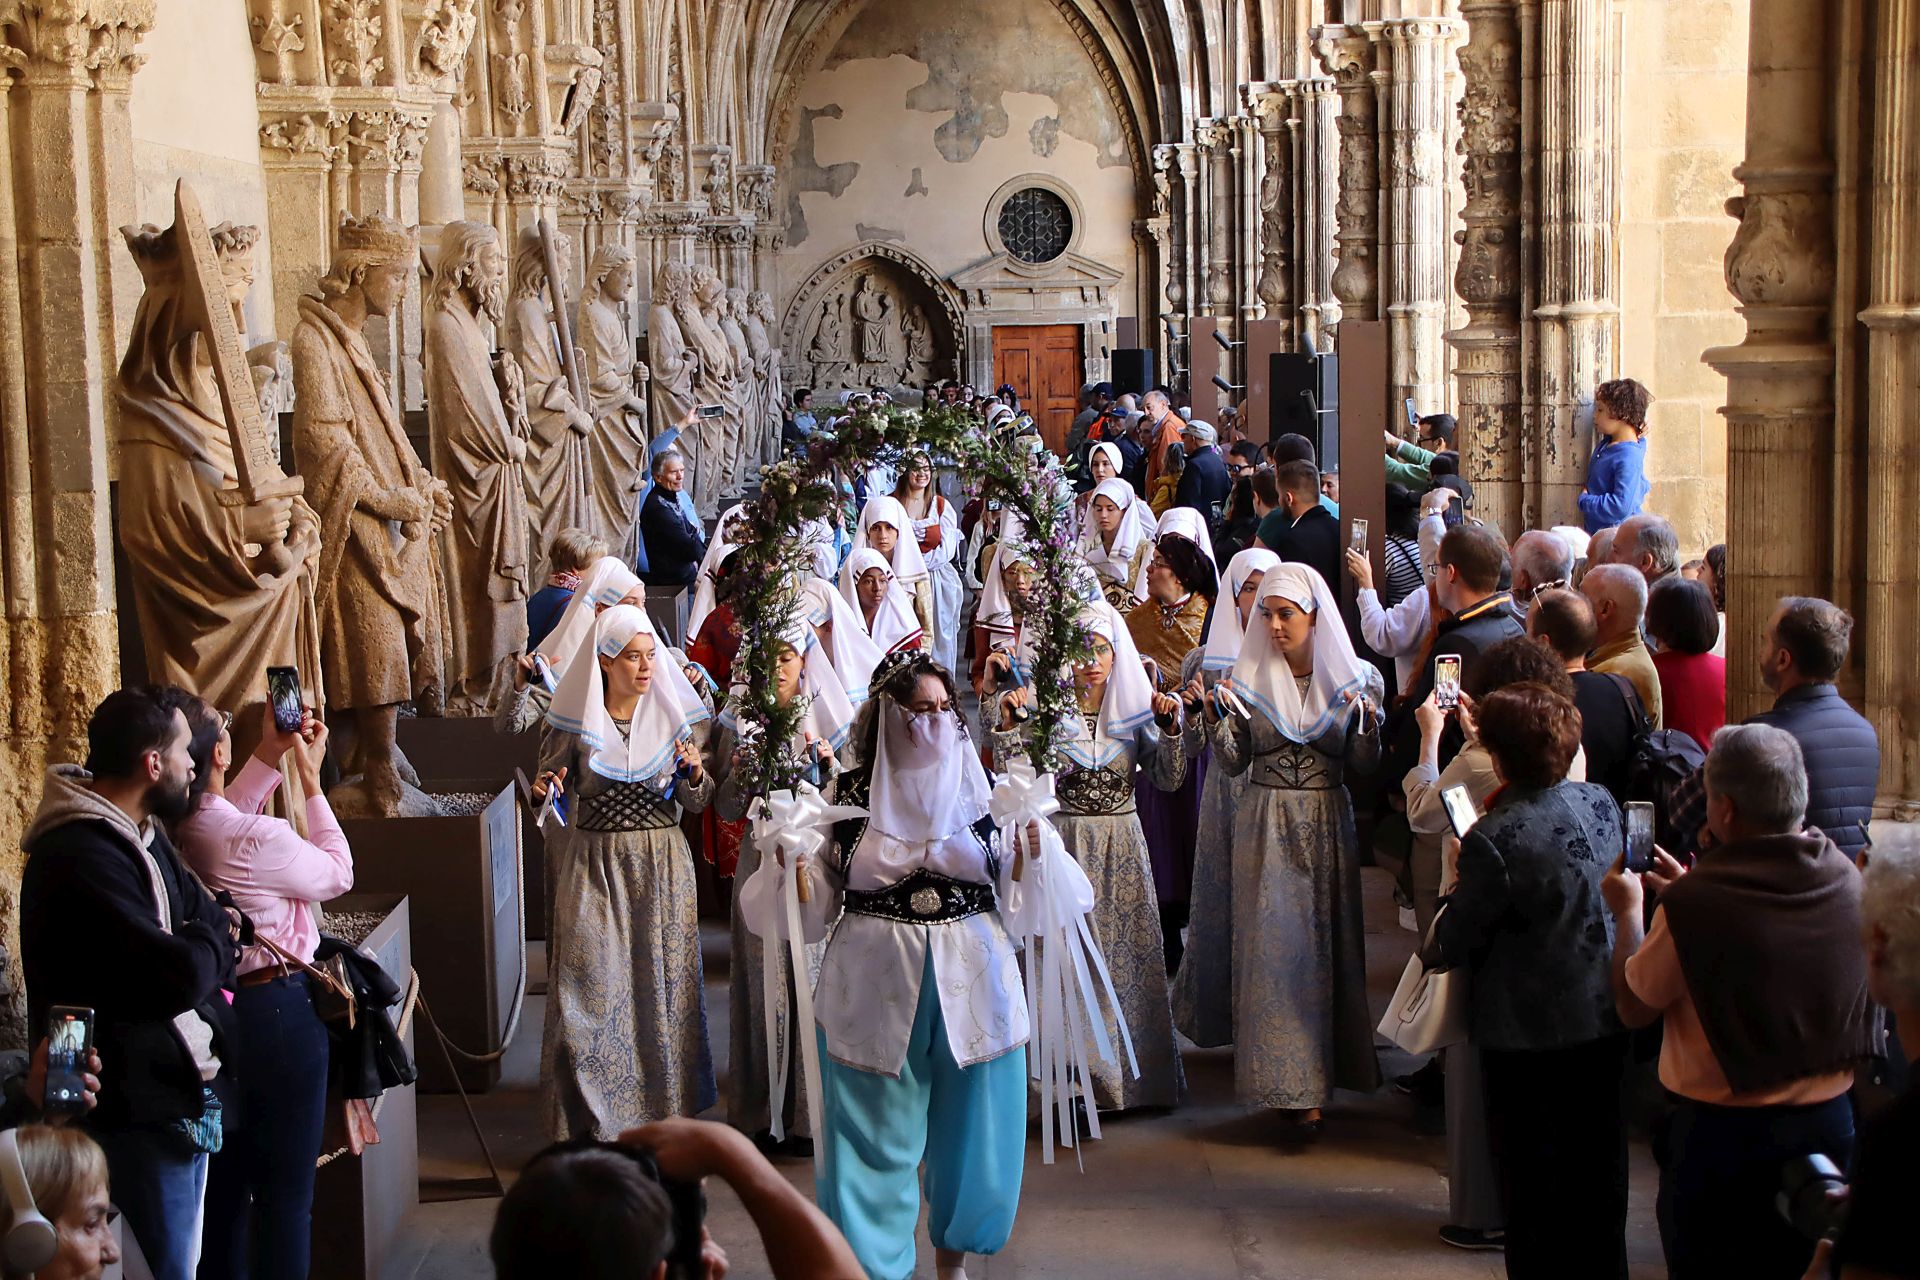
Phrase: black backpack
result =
(1658, 763)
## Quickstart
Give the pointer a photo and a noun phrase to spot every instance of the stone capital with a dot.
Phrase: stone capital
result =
(1213, 134)
(1346, 54)
(74, 40)
(1271, 103)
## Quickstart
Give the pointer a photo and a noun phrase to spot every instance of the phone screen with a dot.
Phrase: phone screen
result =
(711, 410)
(283, 690)
(1357, 535)
(1460, 810)
(1413, 414)
(1639, 835)
(1446, 681)
(69, 1038)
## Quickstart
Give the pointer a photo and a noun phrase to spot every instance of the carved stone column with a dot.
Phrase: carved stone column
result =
(1317, 151)
(66, 183)
(1415, 237)
(1272, 106)
(528, 99)
(1191, 229)
(1488, 277)
(1168, 238)
(348, 96)
(1577, 316)
(1347, 53)
(1780, 378)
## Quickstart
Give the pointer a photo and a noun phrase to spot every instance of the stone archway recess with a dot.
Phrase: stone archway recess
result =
(801, 321)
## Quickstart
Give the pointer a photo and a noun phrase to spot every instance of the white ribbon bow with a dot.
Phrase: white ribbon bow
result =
(790, 828)
(1063, 1005)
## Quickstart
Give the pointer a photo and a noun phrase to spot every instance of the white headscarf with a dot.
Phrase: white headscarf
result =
(927, 780)
(829, 712)
(1189, 524)
(1224, 632)
(894, 626)
(608, 582)
(1112, 450)
(1128, 701)
(663, 716)
(855, 655)
(817, 536)
(996, 607)
(1136, 526)
(908, 566)
(717, 552)
(1265, 682)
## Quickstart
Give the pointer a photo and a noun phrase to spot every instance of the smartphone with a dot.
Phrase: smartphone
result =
(711, 411)
(1413, 414)
(69, 1042)
(1357, 536)
(1446, 681)
(1638, 815)
(283, 691)
(1460, 810)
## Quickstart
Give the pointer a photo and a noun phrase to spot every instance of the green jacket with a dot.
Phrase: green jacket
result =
(1410, 465)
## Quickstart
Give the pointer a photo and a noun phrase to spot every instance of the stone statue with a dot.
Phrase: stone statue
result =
(479, 450)
(210, 618)
(376, 589)
(830, 339)
(741, 442)
(766, 365)
(558, 482)
(873, 316)
(918, 334)
(670, 394)
(699, 316)
(617, 449)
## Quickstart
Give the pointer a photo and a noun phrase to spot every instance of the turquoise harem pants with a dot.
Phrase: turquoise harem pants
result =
(968, 1124)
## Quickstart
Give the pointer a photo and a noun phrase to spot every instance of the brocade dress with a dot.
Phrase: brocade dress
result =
(1300, 1022)
(1171, 820)
(626, 1028)
(1203, 988)
(1100, 826)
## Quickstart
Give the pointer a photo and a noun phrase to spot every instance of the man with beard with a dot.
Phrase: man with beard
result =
(478, 449)
(111, 920)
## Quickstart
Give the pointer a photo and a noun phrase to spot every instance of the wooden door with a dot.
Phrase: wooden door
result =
(1042, 362)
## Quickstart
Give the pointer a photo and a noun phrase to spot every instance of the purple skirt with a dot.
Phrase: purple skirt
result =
(1171, 821)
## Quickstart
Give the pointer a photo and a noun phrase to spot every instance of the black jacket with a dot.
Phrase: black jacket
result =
(90, 935)
(674, 547)
(1313, 540)
(1843, 759)
(1528, 919)
(1205, 484)
(369, 1057)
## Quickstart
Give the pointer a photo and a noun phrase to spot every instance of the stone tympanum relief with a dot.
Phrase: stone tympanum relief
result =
(558, 468)
(479, 451)
(617, 382)
(212, 621)
(380, 510)
(872, 317)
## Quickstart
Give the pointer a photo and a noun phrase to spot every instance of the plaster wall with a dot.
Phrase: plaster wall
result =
(919, 116)
(1682, 129)
(194, 117)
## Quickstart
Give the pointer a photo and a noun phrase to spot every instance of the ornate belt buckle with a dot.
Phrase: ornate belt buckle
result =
(925, 902)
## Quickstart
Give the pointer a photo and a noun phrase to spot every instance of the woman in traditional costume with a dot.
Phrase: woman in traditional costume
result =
(804, 672)
(1301, 1027)
(879, 602)
(885, 526)
(1167, 626)
(1104, 462)
(1203, 987)
(626, 1026)
(607, 583)
(1117, 542)
(936, 532)
(1126, 726)
(922, 1013)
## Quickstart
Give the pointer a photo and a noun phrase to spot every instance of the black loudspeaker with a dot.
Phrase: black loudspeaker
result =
(1304, 395)
(1132, 370)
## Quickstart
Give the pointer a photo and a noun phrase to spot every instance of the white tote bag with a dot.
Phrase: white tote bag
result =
(1429, 1007)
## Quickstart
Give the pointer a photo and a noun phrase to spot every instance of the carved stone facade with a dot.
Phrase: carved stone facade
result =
(873, 316)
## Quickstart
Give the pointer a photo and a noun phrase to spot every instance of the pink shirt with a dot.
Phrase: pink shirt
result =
(273, 874)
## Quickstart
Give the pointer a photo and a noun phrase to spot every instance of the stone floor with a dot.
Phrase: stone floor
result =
(1198, 1192)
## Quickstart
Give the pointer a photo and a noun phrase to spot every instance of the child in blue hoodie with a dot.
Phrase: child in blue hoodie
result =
(1617, 475)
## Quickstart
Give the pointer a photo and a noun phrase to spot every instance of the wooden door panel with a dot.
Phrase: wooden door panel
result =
(1043, 364)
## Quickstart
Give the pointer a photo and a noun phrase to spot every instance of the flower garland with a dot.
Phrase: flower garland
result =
(765, 573)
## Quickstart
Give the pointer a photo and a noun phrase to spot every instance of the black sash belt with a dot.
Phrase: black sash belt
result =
(923, 897)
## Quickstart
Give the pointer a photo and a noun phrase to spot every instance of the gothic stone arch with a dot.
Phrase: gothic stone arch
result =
(875, 313)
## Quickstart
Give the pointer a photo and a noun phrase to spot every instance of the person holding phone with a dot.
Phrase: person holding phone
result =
(1301, 1026)
(626, 1026)
(260, 1183)
(1526, 920)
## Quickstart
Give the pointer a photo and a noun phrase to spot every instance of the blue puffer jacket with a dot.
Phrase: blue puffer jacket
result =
(1843, 759)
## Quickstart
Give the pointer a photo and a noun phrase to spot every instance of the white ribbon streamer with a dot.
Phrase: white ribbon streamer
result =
(790, 829)
(1063, 961)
